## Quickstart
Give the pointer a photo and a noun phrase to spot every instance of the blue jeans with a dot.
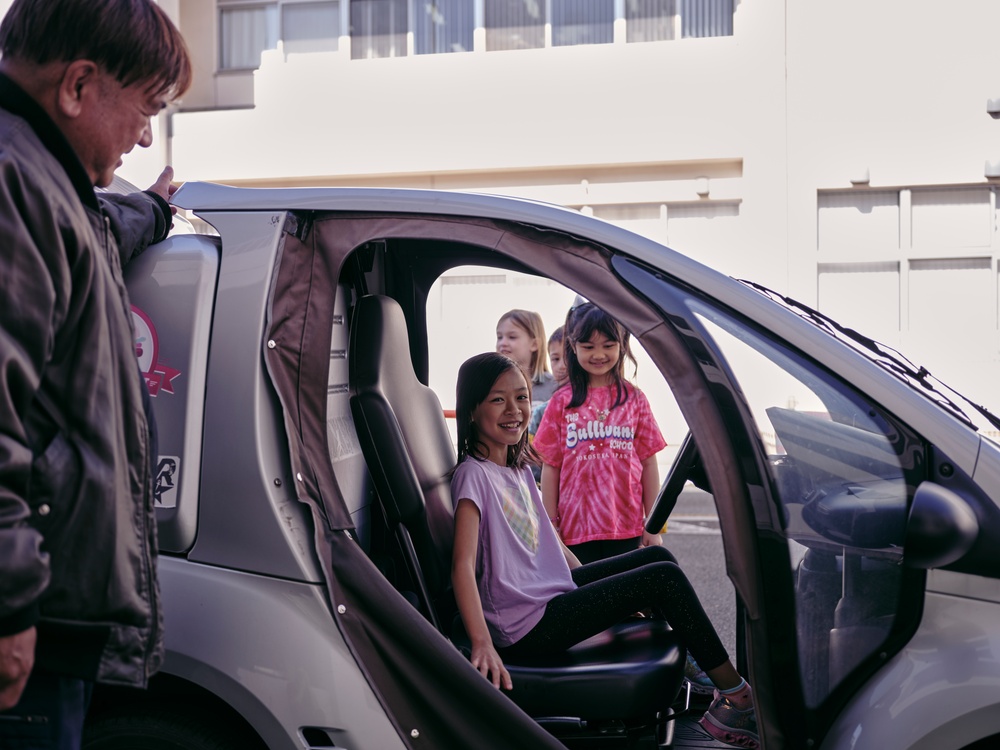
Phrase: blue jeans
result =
(49, 715)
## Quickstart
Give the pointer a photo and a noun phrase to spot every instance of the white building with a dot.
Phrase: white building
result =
(842, 153)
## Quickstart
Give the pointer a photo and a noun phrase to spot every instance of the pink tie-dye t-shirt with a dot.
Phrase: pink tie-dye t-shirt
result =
(599, 453)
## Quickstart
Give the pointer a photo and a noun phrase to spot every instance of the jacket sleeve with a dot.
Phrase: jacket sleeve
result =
(137, 220)
(32, 304)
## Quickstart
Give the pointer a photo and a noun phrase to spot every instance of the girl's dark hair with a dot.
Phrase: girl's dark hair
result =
(581, 323)
(133, 40)
(476, 377)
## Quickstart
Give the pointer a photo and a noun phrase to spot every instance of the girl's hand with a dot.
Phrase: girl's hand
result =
(651, 540)
(486, 659)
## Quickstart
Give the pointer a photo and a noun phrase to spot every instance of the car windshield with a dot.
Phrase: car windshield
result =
(916, 377)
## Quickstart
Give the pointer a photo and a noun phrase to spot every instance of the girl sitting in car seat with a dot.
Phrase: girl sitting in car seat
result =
(521, 592)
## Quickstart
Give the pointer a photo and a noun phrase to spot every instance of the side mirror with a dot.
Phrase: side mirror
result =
(941, 528)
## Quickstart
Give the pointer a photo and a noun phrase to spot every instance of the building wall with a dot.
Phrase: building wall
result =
(739, 151)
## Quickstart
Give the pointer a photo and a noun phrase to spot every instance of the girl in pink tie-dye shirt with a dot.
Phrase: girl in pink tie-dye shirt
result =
(598, 440)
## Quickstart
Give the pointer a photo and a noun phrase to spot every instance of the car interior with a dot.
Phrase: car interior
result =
(618, 682)
(623, 688)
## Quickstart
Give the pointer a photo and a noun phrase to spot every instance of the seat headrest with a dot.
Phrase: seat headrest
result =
(381, 345)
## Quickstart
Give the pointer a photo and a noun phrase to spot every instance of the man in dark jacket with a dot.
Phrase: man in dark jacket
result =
(80, 81)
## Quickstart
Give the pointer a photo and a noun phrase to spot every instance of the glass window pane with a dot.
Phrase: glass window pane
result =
(245, 33)
(443, 26)
(378, 28)
(842, 473)
(701, 18)
(310, 27)
(515, 24)
(582, 22)
(649, 20)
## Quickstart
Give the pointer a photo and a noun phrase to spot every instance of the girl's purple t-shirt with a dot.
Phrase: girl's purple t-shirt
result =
(519, 565)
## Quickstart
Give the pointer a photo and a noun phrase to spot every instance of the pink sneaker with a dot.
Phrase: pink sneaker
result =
(734, 726)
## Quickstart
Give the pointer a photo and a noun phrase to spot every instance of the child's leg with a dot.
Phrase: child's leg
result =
(725, 676)
(601, 549)
(605, 599)
(631, 560)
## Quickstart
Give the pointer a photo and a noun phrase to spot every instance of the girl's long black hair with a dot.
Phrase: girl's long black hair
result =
(581, 322)
(476, 377)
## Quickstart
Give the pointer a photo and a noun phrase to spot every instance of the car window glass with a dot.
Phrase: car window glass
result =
(839, 469)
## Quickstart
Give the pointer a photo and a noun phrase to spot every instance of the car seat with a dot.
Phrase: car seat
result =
(631, 672)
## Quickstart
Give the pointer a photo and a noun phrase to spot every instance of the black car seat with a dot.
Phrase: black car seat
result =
(631, 672)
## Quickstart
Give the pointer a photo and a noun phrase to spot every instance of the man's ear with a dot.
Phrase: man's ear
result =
(79, 77)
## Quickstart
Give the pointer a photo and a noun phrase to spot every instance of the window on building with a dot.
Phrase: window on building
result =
(378, 28)
(582, 22)
(310, 27)
(443, 26)
(514, 24)
(249, 28)
(649, 20)
(245, 32)
(701, 18)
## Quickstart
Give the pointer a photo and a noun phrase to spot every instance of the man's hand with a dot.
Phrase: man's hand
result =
(164, 186)
(17, 657)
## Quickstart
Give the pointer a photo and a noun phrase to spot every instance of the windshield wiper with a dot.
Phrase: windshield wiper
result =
(884, 356)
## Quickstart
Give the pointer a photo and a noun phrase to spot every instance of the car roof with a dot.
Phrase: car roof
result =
(205, 196)
(813, 339)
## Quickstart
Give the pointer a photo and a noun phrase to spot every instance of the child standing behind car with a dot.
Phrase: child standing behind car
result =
(557, 360)
(521, 336)
(598, 440)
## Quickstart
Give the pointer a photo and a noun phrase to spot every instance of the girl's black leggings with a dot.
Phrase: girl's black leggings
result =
(610, 591)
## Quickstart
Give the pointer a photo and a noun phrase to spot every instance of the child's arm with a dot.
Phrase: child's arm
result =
(463, 579)
(572, 560)
(650, 489)
(550, 493)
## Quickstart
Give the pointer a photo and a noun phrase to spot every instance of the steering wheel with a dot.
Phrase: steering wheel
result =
(686, 466)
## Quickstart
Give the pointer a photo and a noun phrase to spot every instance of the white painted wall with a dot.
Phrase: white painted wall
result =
(802, 99)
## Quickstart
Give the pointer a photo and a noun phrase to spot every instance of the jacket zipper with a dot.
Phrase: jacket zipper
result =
(148, 517)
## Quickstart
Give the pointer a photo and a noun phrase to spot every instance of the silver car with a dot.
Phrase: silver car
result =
(304, 514)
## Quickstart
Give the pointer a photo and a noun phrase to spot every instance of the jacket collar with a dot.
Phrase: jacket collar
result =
(16, 101)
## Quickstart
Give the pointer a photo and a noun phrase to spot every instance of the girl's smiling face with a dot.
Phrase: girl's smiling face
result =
(516, 343)
(503, 416)
(598, 356)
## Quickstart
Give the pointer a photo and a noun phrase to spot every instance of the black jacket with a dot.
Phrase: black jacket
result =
(77, 529)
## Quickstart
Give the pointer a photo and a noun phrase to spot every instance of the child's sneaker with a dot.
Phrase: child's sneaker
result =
(700, 682)
(731, 725)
